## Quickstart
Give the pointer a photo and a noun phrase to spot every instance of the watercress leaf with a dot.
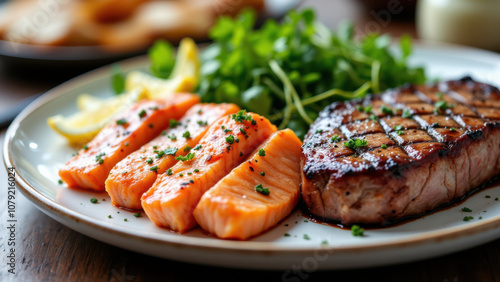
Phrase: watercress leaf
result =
(117, 79)
(257, 99)
(406, 45)
(162, 58)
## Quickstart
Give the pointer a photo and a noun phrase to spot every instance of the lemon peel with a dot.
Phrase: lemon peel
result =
(94, 114)
(184, 76)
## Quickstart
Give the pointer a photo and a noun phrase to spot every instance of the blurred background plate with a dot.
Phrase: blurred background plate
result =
(67, 59)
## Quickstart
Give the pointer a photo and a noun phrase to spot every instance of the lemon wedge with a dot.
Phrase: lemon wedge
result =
(94, 114)
(183, 78)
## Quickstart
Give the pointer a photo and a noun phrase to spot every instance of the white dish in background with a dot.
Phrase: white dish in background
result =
(37, 153)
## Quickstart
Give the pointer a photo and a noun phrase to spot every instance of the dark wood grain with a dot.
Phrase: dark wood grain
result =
(49, 251)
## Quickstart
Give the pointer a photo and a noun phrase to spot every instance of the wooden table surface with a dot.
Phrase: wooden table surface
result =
(49, 251)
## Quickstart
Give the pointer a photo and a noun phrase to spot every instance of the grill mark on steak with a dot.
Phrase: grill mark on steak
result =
(429, 145)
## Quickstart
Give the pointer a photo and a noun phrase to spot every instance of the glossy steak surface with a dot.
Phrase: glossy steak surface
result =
(402, 153)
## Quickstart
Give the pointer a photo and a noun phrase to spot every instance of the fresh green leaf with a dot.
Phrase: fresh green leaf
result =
(117, 79)
(406, 45)
(162, 58)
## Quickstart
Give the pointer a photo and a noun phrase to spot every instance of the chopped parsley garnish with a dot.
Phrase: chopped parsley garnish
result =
(386, 110)
(263, 173)
(121, 121)
(357, 231)
(149, 160)
(453, 129)
(440, 95)
(487, 196)
(142, 114)
(407, 113)
(196, 170)
(150, 125)
(155, 147)
(356, 143)
(154, 168)
(442, 105)
(85, 147)
(187, 148)
(397, 127)
(126, 144)
(335, 138)
(374, 117)
(93, 200)
(188, 157)
(163, 133)
(262, 153)
(222, 127)
(383, 146)
(466, 209)
(227, 130)
(125, 219)
(181, 175)
(138, 214)
(400, 132)
(264, 191)
(467, 218)
(202, 123)
(169, 172)
(172, 137)
(170, 151)
(241, 116)
(230, 139)
(319, 131)
(286, 235)
(173, 123)
(306, 237)
(189, 173)
(60, 181)
(200, 112)
(99, 158)
(197, 147)
(243, 131)
(109, 216)
(186, 135)
(496, 199)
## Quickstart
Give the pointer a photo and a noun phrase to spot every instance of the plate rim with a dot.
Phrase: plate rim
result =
(43, 202)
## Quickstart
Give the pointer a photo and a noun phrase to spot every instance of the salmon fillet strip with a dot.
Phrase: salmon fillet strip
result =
(234, 209)
(135, 174)
(126, 133)
(172, 199)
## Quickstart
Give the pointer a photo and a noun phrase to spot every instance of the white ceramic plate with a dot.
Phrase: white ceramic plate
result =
(37, 153)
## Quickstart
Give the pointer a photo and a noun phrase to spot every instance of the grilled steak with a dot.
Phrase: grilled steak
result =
(401, 153)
